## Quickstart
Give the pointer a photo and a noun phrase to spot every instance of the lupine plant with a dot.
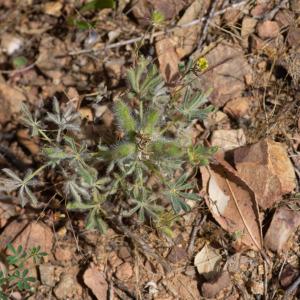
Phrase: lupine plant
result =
(148, 172)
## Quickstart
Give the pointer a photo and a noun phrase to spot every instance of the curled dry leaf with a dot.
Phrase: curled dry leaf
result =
(274, 173)
(232, 203)
(206, 261)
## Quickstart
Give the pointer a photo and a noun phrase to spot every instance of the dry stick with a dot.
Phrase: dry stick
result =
(198, 223)
(270, 15)
(204, 31)
(156, 34)
(119, 284)
(141, 243)
(17, 71)
(292, 287)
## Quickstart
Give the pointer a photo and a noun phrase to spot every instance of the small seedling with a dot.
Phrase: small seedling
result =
(14, 275)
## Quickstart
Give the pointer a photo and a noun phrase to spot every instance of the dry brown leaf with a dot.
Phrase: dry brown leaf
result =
(185, 39)
(167, 58)
(274, 173)
(206, 261)
(232, 203)
(284, 223)
(225, 75)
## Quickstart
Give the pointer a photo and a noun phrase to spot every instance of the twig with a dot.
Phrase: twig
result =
(14, 72)
(198, 223)
(266, 279)
(156, 34)
(204, 31)
(117, 221)
(270, 15)
(124, 288)
(292, 287)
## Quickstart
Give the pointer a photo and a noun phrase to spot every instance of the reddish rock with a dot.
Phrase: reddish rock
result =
(284, 224)
(63, 254)
(124, 271)
(268, 29)
(238, 107)
(95, 280)
(212, 288)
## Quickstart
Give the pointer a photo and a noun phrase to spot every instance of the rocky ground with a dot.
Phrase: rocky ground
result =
(252, 51)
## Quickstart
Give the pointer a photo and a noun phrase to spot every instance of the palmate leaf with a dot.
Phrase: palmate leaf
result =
(144, 203)
(95, 221)
(68, 119)
(176, 193)
(22, 185)
(190, 107)
(200, 155)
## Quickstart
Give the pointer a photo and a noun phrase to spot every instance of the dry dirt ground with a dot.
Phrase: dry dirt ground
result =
(252, 48)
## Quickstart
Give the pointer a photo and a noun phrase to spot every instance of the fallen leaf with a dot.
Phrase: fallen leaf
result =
(228, 139)
(167, 58)
(207, 261)
(225, 75)
(274, 173)
(212, 288)
(95, 280)
(232, 203)
(284, 224)
(186, 38)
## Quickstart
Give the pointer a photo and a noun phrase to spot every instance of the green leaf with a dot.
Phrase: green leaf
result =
(166, 148)
(19, 62)
(124, 117)
(98, 4)
(80, 24)
(151, 121)
(123, 150)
